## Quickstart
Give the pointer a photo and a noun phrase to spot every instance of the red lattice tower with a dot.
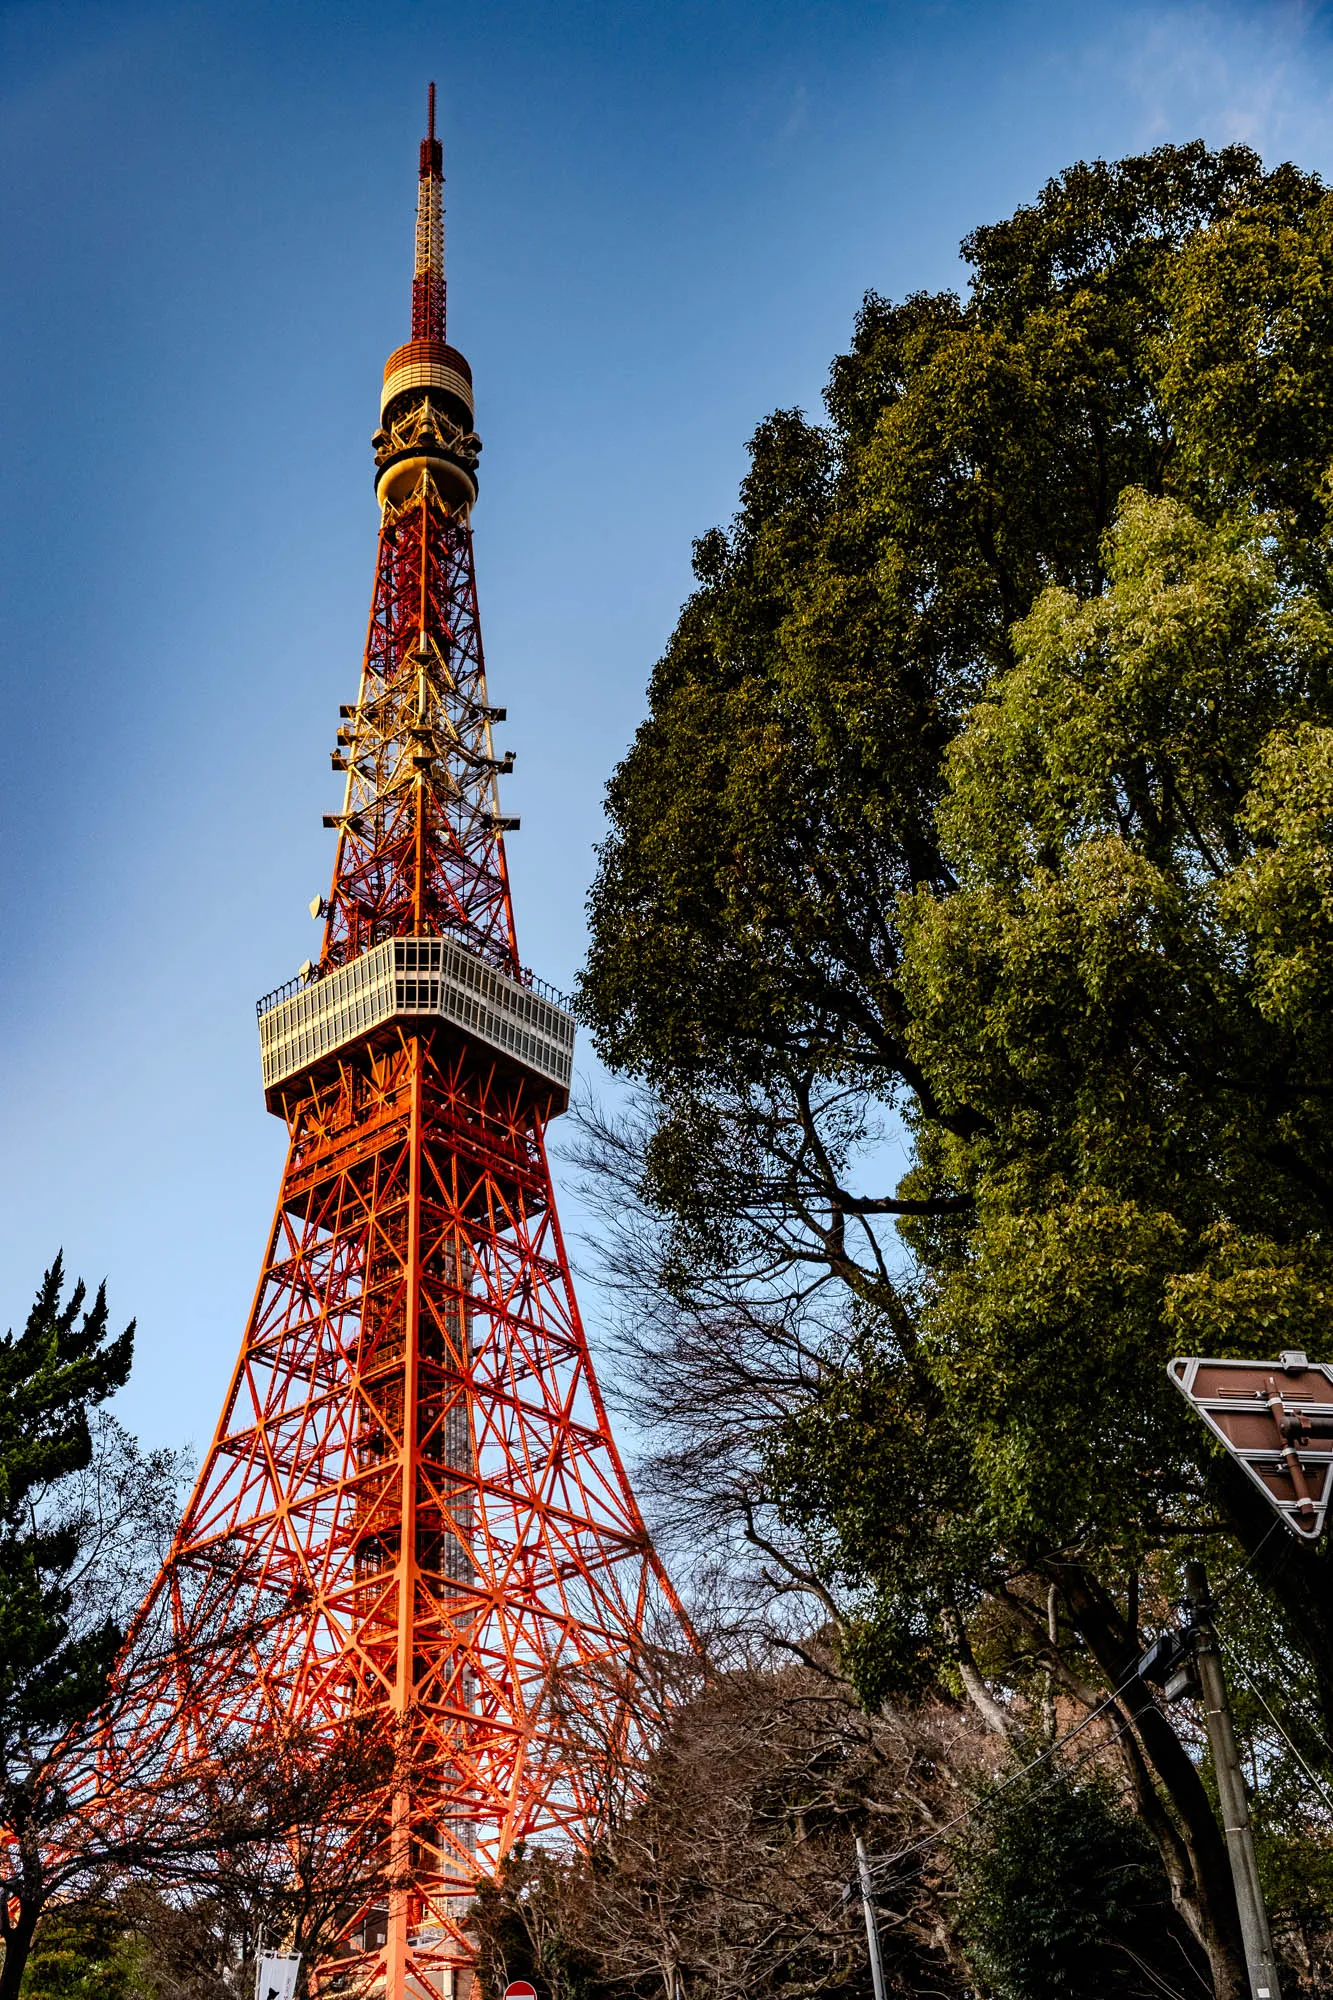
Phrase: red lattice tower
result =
(414, 1463)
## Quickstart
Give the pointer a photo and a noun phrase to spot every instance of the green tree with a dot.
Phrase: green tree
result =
(55, 1660)
(1061, 1896)
(89, 1952)
(984, 794)
(51, 1375)
(1148, 1167)
(133, 1869)
(1149, 1173)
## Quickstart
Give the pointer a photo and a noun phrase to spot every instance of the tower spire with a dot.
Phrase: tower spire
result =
(428, 291)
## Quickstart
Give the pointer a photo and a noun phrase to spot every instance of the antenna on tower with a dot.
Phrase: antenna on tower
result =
(428, 291)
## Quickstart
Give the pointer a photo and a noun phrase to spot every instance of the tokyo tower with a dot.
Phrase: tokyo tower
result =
(414, 1460)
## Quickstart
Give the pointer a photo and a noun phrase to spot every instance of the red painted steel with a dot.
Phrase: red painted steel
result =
(413, 1486)
(428, 292)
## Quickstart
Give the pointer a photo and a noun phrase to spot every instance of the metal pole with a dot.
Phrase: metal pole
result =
(872, 1928)
(1259, 1962)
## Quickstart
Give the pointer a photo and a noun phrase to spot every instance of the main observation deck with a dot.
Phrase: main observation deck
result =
(308, 1022)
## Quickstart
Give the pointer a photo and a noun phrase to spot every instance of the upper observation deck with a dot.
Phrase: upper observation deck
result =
(306, 1024)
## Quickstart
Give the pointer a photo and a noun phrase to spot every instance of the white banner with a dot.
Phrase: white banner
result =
(275, 1978)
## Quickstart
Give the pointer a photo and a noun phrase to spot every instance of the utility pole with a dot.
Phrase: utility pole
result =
(872, 1928)
(1259, 1962)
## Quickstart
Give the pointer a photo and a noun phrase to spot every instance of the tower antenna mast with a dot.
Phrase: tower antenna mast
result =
(428, 283)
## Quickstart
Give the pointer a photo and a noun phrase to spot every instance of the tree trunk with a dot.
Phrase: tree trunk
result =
(1298, 1575)
(1170, 1844)
(1211, 1910)
(19, 1933)
(974, 1686)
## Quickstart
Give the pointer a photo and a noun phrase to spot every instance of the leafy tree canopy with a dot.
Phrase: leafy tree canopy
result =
(1133, 327)
(1061, 1893)
(987, 790)
(1149, 1164)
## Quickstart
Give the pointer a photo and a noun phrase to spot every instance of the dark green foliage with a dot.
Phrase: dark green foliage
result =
(51, 1375)
(985, 778)
(874, 1475)
(527, 1929)
(506, 1949)
(783, 788)
(85, 1953)
(1061, 1896)
(161, 1883)
(987, 787)
(1108, 990)
(58, 1639)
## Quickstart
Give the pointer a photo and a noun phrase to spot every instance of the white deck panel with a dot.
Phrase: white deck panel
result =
(414, 976)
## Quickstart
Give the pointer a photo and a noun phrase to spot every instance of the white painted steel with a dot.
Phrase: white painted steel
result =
(415, 977)
(430, 228)
(424, 373)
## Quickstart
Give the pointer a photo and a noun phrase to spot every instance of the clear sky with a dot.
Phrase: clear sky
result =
(661, 219)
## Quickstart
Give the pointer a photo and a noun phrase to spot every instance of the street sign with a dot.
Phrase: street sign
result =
(1276, 1420)
(519, 1989)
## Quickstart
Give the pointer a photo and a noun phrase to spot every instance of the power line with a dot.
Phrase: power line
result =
(929, 1840)
(1257, 1692)
(988, 1805)
(890, 1860)
(877, 1865)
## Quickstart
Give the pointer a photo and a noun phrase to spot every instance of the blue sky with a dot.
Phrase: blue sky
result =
(661, 220)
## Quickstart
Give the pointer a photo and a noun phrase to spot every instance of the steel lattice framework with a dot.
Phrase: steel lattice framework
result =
(413, 1477)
